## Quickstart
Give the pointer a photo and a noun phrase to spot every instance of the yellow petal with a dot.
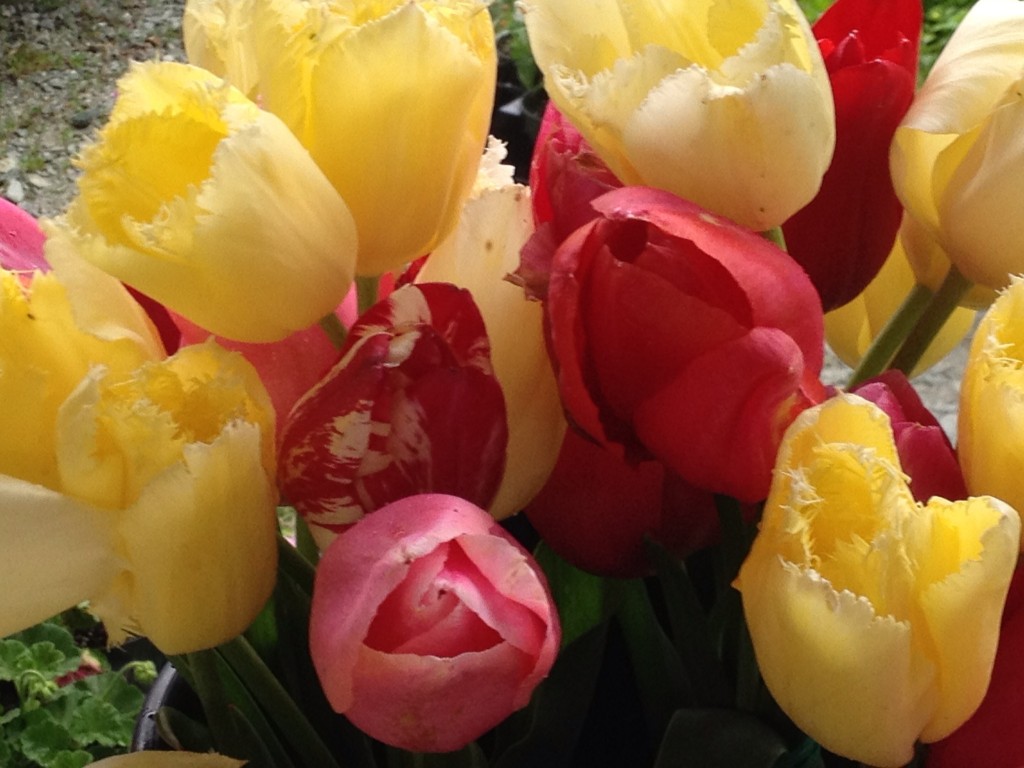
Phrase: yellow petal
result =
(402, 86)
(484, 247)
(202, 543)
(991, 404)
(168, 760)
(217, 37)
(55, 551)
(52, 334)
(242, 234)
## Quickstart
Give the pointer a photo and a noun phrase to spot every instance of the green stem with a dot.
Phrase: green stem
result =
(334, 329)
(934, 317)
(279, 706)
(295, 565)
(775, 235)
(899, 327)
(209, 687)
(366, 292)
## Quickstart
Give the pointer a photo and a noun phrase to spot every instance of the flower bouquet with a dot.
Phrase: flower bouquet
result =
(403, 463)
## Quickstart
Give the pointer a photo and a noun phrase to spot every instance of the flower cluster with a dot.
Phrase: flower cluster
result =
(534, 435)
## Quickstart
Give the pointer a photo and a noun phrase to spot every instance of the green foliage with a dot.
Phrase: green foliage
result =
(53, 717)
(941, 18)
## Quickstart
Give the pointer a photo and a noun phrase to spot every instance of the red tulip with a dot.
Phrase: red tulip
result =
(411, 407)
(596, 510)
(683, 337)
(925, 451)
(993, 737)
(430, 624)
(843, 236)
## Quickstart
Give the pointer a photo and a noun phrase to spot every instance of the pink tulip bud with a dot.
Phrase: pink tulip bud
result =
(430, 624)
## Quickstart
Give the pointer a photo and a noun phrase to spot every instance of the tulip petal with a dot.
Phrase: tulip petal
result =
(154, 759)
(36, 526)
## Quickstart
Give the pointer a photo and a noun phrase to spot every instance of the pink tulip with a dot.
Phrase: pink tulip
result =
(430, 624)
(21, 240)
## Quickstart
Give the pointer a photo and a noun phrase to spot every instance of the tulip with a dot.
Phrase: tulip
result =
(402, 86)
(430, 624)
(724, 104)
(412, 406)
(477, 256)
(843, 236)
(217, 35)
(599, 512)
(154, 759)
(21, 239)
(565, 175)
(242, 233)
(682, 337)
(925, 452)
(851, 329)
(151, 477)
(991, 737)
(991, 417)
(956, 157)
(874, 618)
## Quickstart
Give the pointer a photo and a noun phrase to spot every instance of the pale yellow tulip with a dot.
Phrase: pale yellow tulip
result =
(957, 156)
(991, 418)
(393, 100)
(852, 328)
(874, 618)
(145, 484)
(209, 205)
(218, 36)
(483, 249)
(726, 104)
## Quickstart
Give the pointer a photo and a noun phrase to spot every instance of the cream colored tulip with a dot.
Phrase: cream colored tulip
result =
(483, 249)
(218, 37)
(957, 156)
(145, 484)
(991, 418)
(726, 104)
(393, 100)
(852, 328)
(209, 205)
(874, 618)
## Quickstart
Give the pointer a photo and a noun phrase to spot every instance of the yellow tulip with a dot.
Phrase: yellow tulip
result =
(145, 483)
(393, 100)
(726, 104)
(957, 155)
(495, 223)
(217, 37)
(852, 328)
(209, 205)
(874, 618)
(991, 418)
(169, 760)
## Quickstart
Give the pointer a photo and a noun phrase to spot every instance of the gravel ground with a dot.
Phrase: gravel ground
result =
(59, 63)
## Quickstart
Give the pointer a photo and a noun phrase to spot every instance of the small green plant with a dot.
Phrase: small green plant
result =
(60, 706)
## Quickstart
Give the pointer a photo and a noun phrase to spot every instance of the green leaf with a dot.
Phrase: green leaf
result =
(95, 721)
(70, 759)
(45, 738)
(718, 738)
(583, 599)
(559, 706)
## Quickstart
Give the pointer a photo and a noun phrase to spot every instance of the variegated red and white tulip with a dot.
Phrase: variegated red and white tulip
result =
(413, 406)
